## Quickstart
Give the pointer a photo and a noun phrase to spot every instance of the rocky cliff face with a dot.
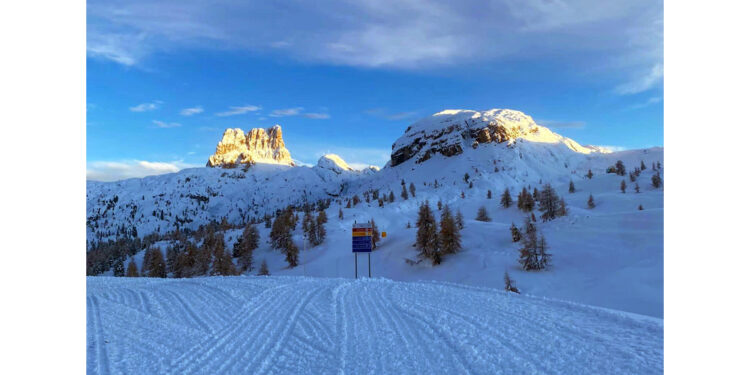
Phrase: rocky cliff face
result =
(451, 132)
(257, 146)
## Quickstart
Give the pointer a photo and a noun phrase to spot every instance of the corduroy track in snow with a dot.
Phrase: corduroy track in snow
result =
(296, 325)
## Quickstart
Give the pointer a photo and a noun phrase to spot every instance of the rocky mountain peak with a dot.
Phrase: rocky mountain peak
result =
(453, 131)
(257, 146)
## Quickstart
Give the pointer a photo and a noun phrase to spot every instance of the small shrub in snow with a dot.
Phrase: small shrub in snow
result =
(482, 214)
(510, 284)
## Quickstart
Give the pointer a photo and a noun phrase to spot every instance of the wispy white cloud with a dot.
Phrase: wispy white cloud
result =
(625, 36)
(191, 111)
(317, 116)
(392, 116)
(649, 102)
(145, 107)
(297, 111)
(162, 124)
(562, 124)
(646, 81)
(119, 170)
(286, 112)
(233, 111)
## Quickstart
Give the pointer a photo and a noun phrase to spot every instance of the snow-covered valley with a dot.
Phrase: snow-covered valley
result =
(607, 259)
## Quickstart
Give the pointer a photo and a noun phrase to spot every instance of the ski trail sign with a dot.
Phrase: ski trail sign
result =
(362, 238)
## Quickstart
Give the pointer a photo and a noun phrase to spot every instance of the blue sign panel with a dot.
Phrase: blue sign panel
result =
(362, 244)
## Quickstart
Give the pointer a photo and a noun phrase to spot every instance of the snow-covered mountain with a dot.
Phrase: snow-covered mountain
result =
(451, 132)
(258, 146)
(609, 256)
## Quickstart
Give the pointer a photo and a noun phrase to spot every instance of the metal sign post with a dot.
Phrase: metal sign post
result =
(362, 243)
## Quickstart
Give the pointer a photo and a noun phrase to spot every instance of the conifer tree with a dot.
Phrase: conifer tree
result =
(620, 168)
(506, 200)
(643, 166)
(267, 221)
(482, 215)
(463, 195)
(459, 220)
(355, 200)
(515, 234)
(322, 216)
(245, 246)
(440, 204)
(154, 265)
(291, 253)
(412, 190)
(466, 177)
(656, 180)
(132, 269)
(408, 224)
(549, 202)
(348, 203)
(203, 259)
(119, 268)
(631, 175)
(535, 195)
(528, 257)
(571, 187)
(489, 194)
(591, 201)
(341, 213)
(509, 283)
(404, 193)
(623, 186)
(380, 202)
(543, 253)
(637, 188)
(589, 175)
(563, 209)
(640, 207)
(450, 237)
(391, 197)
(471, 184)
(306, 220)
(320, 229)
(427, 234)
(280, 231)
(263, 269)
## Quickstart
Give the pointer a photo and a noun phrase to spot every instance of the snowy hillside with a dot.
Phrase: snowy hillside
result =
(609, 256)
(281, 325)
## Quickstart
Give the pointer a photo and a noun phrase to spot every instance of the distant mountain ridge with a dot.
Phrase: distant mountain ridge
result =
(502, 148)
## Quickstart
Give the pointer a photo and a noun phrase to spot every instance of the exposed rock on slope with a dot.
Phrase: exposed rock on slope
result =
(258, 146)
(450, 132)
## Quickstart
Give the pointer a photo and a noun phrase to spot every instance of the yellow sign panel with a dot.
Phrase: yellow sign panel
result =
(382, 234)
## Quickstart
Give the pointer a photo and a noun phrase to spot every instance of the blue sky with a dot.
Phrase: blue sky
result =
(165, 78)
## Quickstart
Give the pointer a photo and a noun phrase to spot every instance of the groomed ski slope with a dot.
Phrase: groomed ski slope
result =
(302, 325)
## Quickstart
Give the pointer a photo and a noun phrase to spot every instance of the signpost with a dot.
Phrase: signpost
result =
(362, 243)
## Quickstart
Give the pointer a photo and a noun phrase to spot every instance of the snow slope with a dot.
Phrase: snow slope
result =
(610, 256)
(282, 325)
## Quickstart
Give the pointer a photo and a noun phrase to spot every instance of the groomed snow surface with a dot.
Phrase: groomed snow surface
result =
(302, 325)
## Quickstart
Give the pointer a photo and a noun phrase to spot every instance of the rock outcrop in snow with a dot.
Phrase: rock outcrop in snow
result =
(451, 132)
(257, 146)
